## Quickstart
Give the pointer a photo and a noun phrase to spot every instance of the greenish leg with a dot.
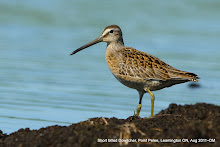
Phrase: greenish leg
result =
(152, 102)
(141, 93)
(138, 109)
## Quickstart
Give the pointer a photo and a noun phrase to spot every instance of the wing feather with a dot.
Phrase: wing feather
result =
(138, 64)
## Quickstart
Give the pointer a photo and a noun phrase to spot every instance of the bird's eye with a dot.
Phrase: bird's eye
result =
(111, 31)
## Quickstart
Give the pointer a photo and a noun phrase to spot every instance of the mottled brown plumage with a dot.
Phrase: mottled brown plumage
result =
(135, 66)
(136, 69)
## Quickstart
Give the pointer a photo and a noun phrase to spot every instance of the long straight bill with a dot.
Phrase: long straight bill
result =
(97, 40)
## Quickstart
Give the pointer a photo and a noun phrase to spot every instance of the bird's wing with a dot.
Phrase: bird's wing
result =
(139, 64)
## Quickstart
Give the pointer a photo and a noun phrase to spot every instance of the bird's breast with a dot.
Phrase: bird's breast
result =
(120, 70)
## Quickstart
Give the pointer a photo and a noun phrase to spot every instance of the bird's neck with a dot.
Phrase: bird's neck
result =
(115, 46)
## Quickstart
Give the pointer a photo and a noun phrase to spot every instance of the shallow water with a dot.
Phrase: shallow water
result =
(42, 85)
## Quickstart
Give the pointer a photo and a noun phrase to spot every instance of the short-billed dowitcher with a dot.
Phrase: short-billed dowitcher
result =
(136, 69)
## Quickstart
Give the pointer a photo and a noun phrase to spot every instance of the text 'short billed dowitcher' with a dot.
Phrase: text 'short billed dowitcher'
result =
(136, 69)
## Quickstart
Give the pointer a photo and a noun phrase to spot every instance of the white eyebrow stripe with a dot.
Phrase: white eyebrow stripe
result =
(107, 30)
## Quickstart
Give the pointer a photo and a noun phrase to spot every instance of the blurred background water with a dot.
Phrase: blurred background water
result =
(42, 85)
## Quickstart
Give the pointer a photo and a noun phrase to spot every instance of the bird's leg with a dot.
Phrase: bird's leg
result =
(141, 93)
(152, 101)
(138, 109)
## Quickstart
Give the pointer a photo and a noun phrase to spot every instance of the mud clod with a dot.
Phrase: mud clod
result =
(199, 121)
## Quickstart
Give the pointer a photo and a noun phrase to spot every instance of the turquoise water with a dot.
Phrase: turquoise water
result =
(42, 85)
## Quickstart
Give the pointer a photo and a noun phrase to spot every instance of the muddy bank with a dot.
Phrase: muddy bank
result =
(193, 123)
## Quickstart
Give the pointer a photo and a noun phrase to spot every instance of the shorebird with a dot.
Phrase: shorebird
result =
(136, 69)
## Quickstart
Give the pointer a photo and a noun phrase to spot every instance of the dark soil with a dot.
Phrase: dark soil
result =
(200, 122)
